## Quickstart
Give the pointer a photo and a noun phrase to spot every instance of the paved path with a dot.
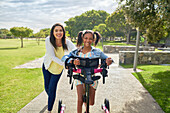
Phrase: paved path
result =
(124, 91)
(32, 64)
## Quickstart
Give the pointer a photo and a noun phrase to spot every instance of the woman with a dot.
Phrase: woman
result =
(52, 67)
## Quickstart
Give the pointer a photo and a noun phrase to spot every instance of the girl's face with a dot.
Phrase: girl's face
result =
(88, 39)
(58, 32)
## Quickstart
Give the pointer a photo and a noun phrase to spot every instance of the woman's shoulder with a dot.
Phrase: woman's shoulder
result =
(47, 38)
(68, 41)
(70, 45)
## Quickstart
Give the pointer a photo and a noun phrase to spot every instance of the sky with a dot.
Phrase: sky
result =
(40, 14)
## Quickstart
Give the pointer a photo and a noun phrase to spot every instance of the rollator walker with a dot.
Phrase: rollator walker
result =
(87, 68)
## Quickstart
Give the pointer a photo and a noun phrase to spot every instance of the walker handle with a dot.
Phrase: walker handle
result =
(95, 70)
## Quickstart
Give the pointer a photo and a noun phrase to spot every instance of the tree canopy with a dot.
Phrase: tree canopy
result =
(117, 20)
(21, 32)
(86, 20)
(151, 16)
(5, 33)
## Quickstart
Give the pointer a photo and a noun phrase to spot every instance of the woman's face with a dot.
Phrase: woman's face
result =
(88, 39)
(58, 32)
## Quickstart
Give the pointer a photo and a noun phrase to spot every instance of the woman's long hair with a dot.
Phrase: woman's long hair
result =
(82, 33)
(53, 40)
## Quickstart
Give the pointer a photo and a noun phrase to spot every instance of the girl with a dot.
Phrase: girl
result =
(52, 67)
(87, 37)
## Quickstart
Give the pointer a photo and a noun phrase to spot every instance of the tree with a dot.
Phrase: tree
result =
(71, 24)
(67, 34)
(69, 30)
(21, 32)
(86, 20)
(118, 21)
(5, 33)
(149, 15)
(46, 32)
(102, 29)
(39, 35)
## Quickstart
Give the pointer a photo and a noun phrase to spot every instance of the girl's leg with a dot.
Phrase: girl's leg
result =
(47, 77)
(52, 90)
(92, 95)
(80, 98)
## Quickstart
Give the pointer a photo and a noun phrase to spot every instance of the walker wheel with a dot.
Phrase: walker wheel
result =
(106, 102)
(59, 105)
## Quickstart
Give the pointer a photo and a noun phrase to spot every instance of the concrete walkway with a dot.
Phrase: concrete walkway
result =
(124, 91)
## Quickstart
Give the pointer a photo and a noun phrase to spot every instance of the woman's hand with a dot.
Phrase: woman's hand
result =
(76, 61)
(109, 61)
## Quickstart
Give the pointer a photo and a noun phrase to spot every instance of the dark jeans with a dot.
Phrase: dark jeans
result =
(50, 84)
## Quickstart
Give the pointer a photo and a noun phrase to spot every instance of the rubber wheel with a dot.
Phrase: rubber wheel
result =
(106, 102)
(59, 105)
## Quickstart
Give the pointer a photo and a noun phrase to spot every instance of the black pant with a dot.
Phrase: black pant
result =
(50, 84)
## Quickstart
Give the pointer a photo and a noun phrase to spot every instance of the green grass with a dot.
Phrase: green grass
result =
(156, 49)
(155, 78)
(19, 86)
(111, 43)
(99, 45)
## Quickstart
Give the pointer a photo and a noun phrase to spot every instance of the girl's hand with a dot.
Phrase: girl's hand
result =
(76, 61)
(109, 61)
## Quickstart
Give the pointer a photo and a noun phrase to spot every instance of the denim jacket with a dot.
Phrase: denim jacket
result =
(96, 53)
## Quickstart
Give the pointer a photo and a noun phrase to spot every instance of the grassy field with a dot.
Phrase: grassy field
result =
(155, 78)
(19, 86)
(99, 45)
(112, 43)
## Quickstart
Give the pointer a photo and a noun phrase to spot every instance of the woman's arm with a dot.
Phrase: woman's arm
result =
(70, 45)
(50, 51)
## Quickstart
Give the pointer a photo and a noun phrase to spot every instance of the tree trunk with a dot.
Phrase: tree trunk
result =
(21, 42)
(145, 42)
(136, 50)
(128, 37)
(38, 40)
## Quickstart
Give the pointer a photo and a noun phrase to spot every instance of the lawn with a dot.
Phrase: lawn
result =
(155, 78)
(19, 86)
(112, 43)
(99, 45)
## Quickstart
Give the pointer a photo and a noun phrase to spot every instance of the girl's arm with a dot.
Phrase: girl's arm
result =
(109, 60)
(63, 59)
(50, 51)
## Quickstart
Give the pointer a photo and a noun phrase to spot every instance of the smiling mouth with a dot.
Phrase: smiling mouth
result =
(58, 35)
(88, 43)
